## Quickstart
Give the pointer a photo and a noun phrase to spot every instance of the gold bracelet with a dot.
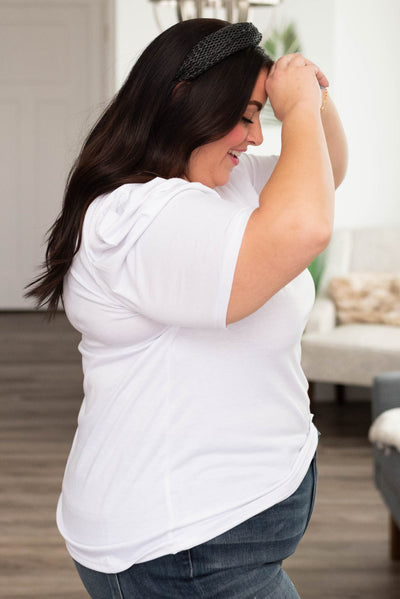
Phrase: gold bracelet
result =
(324, 99)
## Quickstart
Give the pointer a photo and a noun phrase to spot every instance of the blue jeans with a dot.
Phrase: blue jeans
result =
(243, 563)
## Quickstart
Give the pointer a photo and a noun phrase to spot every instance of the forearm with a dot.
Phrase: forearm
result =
(335, 139)
(301, 189)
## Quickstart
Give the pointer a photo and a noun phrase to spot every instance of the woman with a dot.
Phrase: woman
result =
(182, 261)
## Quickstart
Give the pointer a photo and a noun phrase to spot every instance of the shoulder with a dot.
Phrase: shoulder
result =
(258, 169)
(253, 164)
(253, 167)
(248, 178)
(127, 200)
(130, 209)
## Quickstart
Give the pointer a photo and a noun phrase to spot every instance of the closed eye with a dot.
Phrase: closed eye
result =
(247, 120)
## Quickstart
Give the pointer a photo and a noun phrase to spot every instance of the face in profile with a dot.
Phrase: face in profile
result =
(212, 163)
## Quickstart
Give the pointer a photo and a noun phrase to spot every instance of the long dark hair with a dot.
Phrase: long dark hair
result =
(148, 130)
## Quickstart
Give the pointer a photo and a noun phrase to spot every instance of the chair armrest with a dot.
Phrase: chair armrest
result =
(385, 392)
(323, 316)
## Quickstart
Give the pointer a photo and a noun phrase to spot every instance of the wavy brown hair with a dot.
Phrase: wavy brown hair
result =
(148, 130)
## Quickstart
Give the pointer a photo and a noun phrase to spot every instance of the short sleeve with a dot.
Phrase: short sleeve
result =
(178, 270)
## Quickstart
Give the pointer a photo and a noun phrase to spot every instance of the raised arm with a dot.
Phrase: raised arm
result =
(293, 223)
(335, 139)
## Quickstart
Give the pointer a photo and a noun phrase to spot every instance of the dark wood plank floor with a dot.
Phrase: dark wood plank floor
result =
(344, 554)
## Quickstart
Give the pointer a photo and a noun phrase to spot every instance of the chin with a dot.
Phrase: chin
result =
(213, 182)
(223, 180)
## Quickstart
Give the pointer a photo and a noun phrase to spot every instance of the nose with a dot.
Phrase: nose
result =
(255, 135)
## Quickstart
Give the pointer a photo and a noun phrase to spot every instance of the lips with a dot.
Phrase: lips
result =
(235, 155)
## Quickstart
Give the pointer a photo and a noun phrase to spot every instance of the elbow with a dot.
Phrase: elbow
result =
(323, 234)
(317, 235)
(310, 231)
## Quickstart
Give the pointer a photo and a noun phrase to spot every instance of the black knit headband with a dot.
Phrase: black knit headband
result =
(215, 47)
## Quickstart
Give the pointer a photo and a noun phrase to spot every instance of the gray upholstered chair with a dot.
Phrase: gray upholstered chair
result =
(352, 354)
(385, 435)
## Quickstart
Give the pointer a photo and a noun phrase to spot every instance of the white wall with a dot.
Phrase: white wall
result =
(135, 28)
(354, 42)
(368, 92)
(356, 45)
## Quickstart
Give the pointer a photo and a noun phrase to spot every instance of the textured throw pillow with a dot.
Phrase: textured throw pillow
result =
(367, 297)
(385, 430)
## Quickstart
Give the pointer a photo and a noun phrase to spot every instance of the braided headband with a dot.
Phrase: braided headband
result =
(215, 47)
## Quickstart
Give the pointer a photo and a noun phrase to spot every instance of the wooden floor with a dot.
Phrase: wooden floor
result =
(344, 554)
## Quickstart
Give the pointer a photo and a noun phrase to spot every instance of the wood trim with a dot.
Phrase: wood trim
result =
(394, 539)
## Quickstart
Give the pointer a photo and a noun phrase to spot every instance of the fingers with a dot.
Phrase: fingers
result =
(294, 81)
(298, 60)
(322, 79)
(286, 60)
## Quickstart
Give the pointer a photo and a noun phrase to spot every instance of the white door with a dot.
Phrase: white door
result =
(55, 77)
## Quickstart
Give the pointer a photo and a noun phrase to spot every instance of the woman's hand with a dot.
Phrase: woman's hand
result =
(294, 81)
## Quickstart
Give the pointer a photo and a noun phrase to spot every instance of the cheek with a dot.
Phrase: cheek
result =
(236, 136)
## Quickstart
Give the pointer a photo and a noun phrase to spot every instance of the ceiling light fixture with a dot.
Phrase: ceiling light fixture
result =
(230, 10)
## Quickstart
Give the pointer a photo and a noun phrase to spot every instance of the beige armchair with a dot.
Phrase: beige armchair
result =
(353, 353)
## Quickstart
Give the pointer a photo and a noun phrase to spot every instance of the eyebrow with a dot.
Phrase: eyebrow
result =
(258, 104)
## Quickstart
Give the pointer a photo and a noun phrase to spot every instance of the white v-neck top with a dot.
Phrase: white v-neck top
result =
(188, 427)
